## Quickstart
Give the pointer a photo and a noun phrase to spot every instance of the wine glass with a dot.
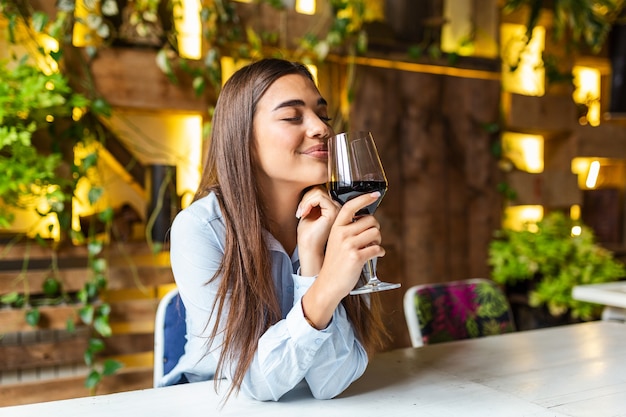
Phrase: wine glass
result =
(354, 168)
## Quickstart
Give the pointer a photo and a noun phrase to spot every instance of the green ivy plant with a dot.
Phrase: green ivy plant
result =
(37, 103)
(30, 100)
(553, 261)
(583, 22)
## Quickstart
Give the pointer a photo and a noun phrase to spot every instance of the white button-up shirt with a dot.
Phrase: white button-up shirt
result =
(290, 351)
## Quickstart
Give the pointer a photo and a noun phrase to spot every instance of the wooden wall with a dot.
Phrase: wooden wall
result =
(45, 363)
(442, 205)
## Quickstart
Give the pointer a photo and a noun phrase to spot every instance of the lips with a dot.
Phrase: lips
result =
(317, 151)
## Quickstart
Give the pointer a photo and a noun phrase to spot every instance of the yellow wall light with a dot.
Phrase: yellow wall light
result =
(587, 92)
(528, 76)
(522, 217)
(524, 151)
(306, 6)
(597, 172)
(189, 28)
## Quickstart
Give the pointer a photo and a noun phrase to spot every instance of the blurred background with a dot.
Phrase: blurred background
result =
(490, 116)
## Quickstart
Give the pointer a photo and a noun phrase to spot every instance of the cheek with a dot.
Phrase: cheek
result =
(272, 159)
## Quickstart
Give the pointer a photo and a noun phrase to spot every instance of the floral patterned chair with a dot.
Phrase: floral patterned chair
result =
(456, 310)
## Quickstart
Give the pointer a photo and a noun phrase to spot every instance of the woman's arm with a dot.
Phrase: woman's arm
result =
(289, 351)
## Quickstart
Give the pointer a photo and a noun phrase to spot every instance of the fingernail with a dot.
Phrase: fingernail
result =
(375, 194)
(298, 212)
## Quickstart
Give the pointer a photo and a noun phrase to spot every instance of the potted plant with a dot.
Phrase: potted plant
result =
(540, 265)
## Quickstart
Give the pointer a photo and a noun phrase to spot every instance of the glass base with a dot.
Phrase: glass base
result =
(374, 286)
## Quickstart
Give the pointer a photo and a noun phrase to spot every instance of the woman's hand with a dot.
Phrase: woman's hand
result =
(351, 242)
(317, 213)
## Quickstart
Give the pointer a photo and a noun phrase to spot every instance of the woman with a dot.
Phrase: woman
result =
(263, 258)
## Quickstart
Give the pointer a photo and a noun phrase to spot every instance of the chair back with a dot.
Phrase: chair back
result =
(169, 334)
(456, 310)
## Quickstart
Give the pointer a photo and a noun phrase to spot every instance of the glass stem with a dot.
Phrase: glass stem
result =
(369, 269)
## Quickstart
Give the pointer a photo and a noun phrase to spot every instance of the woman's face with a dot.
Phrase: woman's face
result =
(290, 132)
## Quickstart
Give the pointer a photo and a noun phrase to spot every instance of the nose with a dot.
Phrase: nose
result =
(319, 129)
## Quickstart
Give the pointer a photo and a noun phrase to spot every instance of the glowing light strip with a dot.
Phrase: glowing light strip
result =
(421, 68)
(592, 175)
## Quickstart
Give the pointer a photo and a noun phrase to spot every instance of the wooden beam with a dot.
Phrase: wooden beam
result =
(130, 78)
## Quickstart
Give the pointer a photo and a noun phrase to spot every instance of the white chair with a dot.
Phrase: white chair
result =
(442, 312)
(169, 334)
(411, 317)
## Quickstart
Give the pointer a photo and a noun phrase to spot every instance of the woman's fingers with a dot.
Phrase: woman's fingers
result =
(315, 197)
(361, 233)
(352, 207)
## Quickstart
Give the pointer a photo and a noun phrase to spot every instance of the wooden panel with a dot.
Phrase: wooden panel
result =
(73, 387)
(602, 211)
(125, 344)
(133, 310)
(69, 351)
(56, 317)
(134, 268)
(551, 188)
(607, 140)
(539, 114)
(129, 77)
(74, 279)
(13, 320)
(33, 355)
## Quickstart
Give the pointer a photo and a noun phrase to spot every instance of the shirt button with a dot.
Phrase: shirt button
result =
(318, 341)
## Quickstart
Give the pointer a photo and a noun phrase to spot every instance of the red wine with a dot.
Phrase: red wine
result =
(344, 193)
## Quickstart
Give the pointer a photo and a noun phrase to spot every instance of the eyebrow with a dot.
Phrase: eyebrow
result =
(297, 102)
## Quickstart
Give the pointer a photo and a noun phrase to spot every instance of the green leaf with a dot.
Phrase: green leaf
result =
(96, 345)
(70, 326)
(164, 64)
(32, 317)
(94, 247)
(106, 215)
(10, 298)
(81, 295)
(111, 366)
(39, 21)
(86, 314)
(93, 379)
(88, 357)
(91, 160)
(94, 194)
(101, 107)
(91, 289)
(199, 85)
(51, 287)
(104, 309)
(101, 325)
(99, 265)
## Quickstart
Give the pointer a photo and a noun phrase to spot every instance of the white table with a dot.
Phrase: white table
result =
(575, 370)
(611, 294)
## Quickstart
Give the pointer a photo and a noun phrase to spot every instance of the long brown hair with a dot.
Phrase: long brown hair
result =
(246, 270)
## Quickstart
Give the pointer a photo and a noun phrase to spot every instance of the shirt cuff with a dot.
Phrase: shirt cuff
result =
(302, 333)
(301, 285)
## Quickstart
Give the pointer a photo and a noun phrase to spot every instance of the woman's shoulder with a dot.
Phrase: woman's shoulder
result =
(203, 210)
